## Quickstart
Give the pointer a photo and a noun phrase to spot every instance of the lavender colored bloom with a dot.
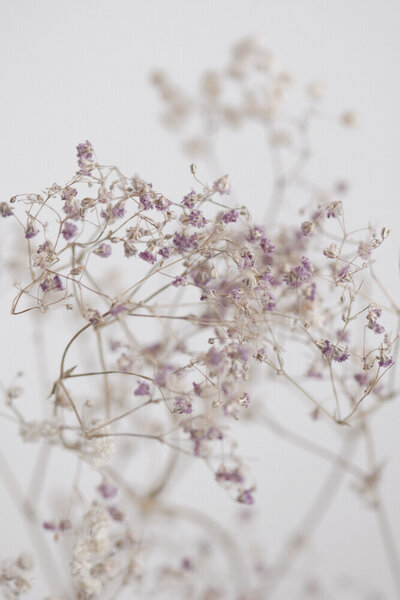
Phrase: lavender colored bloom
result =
(330, 351)
(378, 328)
(107, 490)
(361, 378)
(145, 201)
(184, 243)
(104, 250)
(246, 497)
(222, 185)
(68, 194)
(187, 564)
(143, 389)
(118, 210)
(266, 246)
(183, 405)
(69, 230)
(190, 199)
(115, 513)
(164, 252)
(307, 228)
(84, 152)
(148, 256)
(179, 281)
(248, 258)
(50, 526)
(232, 476)
(300, 274)
(161, 377)
(197, 219)
(161, 203)
(385, 359)
(230, 217)
(57, 283)
(197, 388)
(117, 309)
(30, 231)
(340, 354)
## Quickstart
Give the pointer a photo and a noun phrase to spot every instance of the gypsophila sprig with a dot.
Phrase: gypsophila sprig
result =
(176, 307)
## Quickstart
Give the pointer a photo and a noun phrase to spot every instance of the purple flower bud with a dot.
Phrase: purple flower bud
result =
(164, 252)
(30, 231)
(69, 230)
(145, 201)
(230, 217)
(246, 497)
(148, 256)
(107, 490)
(143, 389)
(197, 219)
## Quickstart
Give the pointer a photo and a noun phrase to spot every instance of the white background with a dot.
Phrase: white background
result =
(79, 69)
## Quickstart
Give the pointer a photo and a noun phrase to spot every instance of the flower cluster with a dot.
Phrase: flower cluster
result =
(177, 306)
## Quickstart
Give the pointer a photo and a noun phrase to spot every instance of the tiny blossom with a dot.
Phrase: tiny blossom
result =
(103, 250)
(51, 283)
(43, 255)
(222, 185)
(190, 199)
(197, 388)
(148, 256)
(248, 258)
(374, 312)
(233, 475)
(143, 389)
(364, 250)
(165, 252)
(183, 405)
(384, 358)
(179, 281)
(197, 219)
(118, 210)
(69, 230)
(330, 351)
(307, 228)
(334, 210)
(162, 203)
(361, 378)
(244, 400)
(299, 275)
(118, 308)
(115, 513)
(107, 490)
(85, 157)
(184, 243)
(30, 231)
(246, 497)
(145, 201)
(230, 217)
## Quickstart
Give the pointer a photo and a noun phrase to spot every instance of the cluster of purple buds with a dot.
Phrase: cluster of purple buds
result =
(182, 405)
(333, 351)
(300, 274)
(103, 250)
(85, 156)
